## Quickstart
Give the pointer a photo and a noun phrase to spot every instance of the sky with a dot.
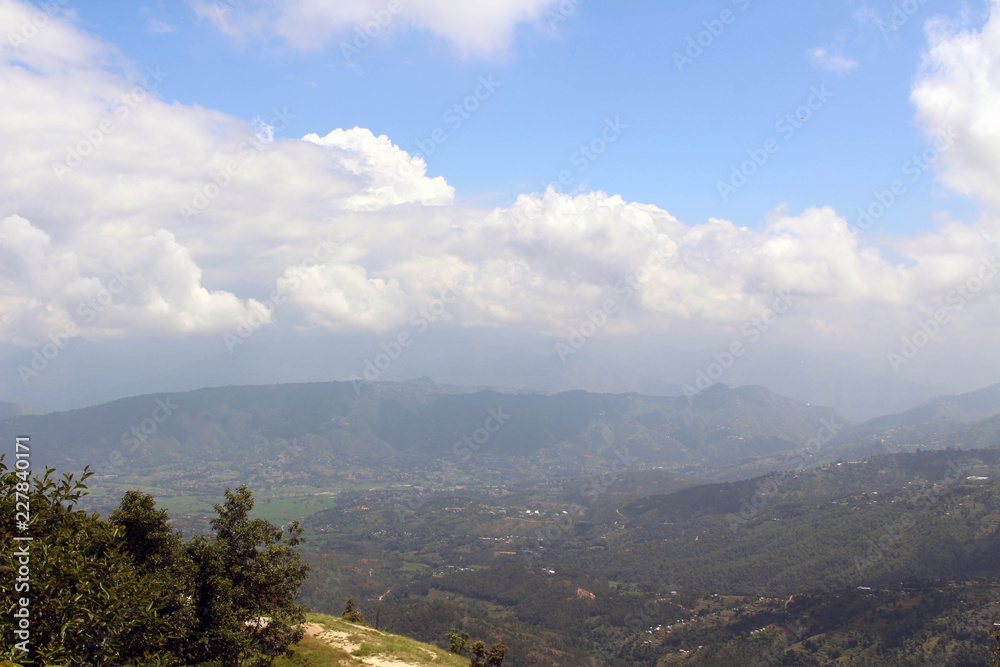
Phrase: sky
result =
(219, 168)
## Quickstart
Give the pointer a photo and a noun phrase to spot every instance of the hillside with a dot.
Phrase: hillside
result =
(8, 410)
(722, 429)
(922, 528)
(970, 419)
(332, 642)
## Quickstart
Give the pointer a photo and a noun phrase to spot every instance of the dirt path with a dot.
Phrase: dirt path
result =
(342, 640)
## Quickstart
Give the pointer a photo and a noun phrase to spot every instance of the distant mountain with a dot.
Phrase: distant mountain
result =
(14, 410)
(985, 433)
(855, 386)
(722, 427)
(969, 419)
(971, 406)
(90, 373)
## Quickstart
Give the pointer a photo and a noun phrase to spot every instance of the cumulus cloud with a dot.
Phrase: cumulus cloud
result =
(215, 222)
(98, 173)
(153, 285)
(958, 90)
(475, 29)
(338, 296)
(391, 175)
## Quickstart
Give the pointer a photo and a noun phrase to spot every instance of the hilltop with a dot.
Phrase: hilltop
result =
(331, 641)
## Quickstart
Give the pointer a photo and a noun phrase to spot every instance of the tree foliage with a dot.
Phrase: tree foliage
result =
(351, 614)
(128, 590)
(84, 596)
(487, 657)
(458, 640)
(246, 583)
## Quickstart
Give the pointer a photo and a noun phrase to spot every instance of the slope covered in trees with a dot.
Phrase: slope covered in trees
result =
(722, 428)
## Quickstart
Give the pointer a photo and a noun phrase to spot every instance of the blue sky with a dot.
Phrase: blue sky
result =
(560, 78)
(722, 150)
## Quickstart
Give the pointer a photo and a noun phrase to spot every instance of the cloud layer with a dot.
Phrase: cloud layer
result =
(959, 88)
(475, 29)
(123, 214)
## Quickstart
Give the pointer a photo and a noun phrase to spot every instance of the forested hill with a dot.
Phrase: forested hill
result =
(969, 419)
(888, 560)
(424, 420)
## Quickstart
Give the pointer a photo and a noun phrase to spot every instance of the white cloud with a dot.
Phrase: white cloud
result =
(958, 90)
(832, 61)
(338, 296)
(393, 176)
(474, 29)
(350, 233)
(151, 285)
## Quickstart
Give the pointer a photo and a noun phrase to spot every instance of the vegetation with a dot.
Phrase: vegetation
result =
(334, 641)
(352, 615)
(921, 530)
(128, 591)
(458, 640)
(542, 541)
(487, 657)
(235, 429)
(481, 655)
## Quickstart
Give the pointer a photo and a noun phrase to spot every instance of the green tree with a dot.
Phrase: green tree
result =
(995, 662)
(495, 655)
(246, 582)
(128, 591)
(84, 596)
(351, 614)
(487, 657)
(459, 641)
(167, 572)
(478, 649)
